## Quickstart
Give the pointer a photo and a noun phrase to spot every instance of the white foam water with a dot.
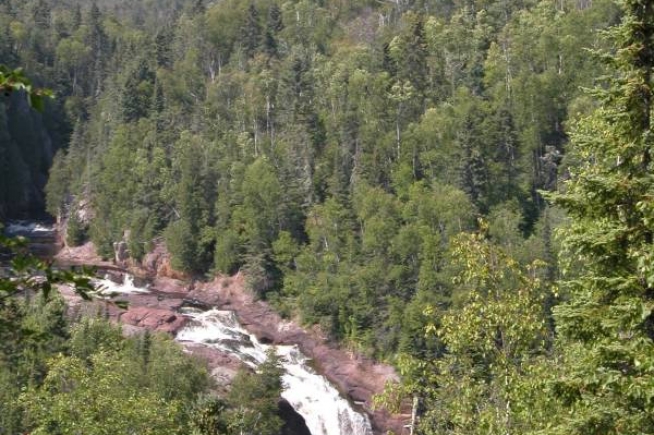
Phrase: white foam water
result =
(106, 286)
(27, 227)
(324, 410)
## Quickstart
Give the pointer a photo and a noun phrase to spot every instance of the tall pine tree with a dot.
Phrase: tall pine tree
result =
(606, 329)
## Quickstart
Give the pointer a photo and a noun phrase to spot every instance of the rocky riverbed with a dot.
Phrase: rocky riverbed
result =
(357, 377)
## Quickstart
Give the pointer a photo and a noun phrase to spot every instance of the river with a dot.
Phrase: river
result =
(324, 410)
(312, 396)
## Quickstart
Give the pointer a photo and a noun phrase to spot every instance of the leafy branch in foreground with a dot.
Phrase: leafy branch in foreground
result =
(16, 80)
(496, 340)
(27, 273)
(23, 274)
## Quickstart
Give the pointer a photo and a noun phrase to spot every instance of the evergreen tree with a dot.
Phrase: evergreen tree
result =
(274, 25)
(606, 329)
(138, 92)
(198, 7)
(77, 18)
(254, 398)
(57, 189)
(251, 31)
(209, 417)
(75, 230)
(98, 42)
(41, 14)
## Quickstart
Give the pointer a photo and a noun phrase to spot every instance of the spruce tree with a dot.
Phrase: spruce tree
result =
(274, 25)
(606, 328)
(251, 31)
(42, 14)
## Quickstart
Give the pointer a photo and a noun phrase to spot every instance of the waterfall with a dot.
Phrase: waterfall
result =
(27, 228)
(324, 410)
(312, 396)
(107, 287)
(41, 237)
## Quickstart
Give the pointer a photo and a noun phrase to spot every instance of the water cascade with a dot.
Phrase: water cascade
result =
(28, 228)
(324, 410)
(108, 287)
(311, 395)
(41, 237)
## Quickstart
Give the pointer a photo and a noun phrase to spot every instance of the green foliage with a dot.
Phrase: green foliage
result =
(179, 239)
(57, 379)
(492, 348)
(253, 399)
(92, 379)
(339, 153)
(16, 80)
(209, 418)
(330, 155)
(492, 341)
(26, 273)
(261, 215)
(75, 230)
(95, 398)
(107, 384)
(30, 333)
(57, 187)
(32, 325)
(226, 256)
(605, 329)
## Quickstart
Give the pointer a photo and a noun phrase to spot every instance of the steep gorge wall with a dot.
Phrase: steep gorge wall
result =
(28, 142)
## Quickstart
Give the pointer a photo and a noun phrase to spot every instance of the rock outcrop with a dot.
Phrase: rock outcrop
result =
(158, 264)
(84, 255)
(121, 253)
(154, 319)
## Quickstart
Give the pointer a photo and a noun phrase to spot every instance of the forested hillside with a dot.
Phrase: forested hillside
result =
(329, 149)
(378, 168)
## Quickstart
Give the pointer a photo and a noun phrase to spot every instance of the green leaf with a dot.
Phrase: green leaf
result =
(36, 102)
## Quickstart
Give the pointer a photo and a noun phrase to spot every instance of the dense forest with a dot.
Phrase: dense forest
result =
(460, 188)
(330, 150)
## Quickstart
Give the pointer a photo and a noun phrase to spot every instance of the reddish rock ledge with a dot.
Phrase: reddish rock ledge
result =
(154, 319)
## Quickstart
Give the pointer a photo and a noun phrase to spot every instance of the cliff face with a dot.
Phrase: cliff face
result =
(28, 142)
(357, 377)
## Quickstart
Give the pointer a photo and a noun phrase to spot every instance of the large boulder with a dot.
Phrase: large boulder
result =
(158, 264)
(154, 319)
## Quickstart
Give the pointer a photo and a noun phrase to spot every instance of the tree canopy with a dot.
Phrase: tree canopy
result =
(392, 173)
